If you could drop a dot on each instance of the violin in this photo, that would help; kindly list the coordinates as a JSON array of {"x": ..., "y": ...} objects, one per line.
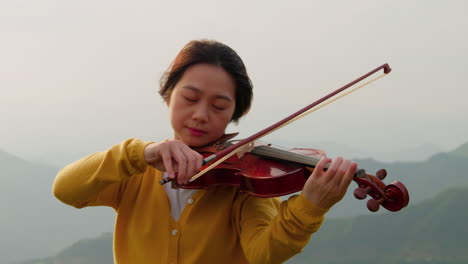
[
  {"x": 267, "y": 171},
  {"x": 263, "y": 170}
]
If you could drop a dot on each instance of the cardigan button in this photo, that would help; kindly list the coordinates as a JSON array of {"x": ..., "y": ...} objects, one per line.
[
  {"x": 174, "y": 232},
  {"x": 190, "y": 201}
]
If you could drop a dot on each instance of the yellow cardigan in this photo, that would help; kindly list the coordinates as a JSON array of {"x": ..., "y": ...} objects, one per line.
[{"x": 219, "y": 225}]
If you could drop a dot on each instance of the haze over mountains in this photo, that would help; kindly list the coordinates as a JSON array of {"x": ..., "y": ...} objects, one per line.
[
  {"x": 431, "y": 232},
  {"x": 79, "y": 75},
  {"x": 36, "y": 225},
  {"x": 417, "y": 153}
]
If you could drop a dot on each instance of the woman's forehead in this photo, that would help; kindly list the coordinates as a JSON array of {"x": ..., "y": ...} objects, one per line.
[{"x": 207, "y": 78}]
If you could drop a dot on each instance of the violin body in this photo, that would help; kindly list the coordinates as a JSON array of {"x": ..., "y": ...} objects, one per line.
[
  {"x": 255, "y": 175},
  {"x": 266, "y": 176}
]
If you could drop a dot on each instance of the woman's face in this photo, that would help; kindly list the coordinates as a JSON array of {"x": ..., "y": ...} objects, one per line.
[{"x": 202, "y": 104}]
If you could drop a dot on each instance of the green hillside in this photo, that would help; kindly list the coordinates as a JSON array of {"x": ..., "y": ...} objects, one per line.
[
  {"x": 31, "y": 213},
  {"x": 432, "y": 232},
  {"x": 97, "y": 251},
  {"x": 461, "y": 151},
  {"x": 423, "y": 180},
  {"x": 26, "y": 188}
]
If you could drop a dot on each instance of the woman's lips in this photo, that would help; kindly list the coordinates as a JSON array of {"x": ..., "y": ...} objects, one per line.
[{"x": 196, "y": 132}]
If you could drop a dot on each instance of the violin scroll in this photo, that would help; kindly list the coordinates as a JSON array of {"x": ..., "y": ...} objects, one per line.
[{"x": 392, "y": 197}]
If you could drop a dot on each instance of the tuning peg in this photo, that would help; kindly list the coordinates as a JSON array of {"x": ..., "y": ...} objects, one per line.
[
  {"x": 381, "y": 174},
  {"x": 361, "y": 192},
  {"x": 373, "y": 205}
]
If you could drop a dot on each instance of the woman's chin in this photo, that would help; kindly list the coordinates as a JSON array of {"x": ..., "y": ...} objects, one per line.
[
  {"x": 193, "y": 141},
  {"x": 198, "y": 140}
]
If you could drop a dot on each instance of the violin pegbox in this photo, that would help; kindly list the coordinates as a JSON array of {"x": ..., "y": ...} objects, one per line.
[
  {"x": 362, "y": 191},
  {"x": 392, "y": 197}
]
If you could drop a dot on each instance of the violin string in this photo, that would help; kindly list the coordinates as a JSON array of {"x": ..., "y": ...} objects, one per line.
[
  {"x": 331, "y": 100},
  {"x": 216, "y": 163},
  {"x": 288, "y": 155}
]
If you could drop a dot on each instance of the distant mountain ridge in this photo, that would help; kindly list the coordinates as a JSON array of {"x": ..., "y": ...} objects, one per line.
[
  {"x": 423, "y": 179},
  {"x": 461, "y": 151},
  {"x": 30, "y": 213},
  {"x": 409, "y": 154},
  {"x": 415, "y": 153},
  {"x": 33, "y": 212},
  {"x": 432, "y": 232}
]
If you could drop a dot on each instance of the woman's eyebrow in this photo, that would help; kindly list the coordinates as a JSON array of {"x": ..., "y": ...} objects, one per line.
[
  {"x": 192, "y": 88},
  {"x": 218, "y": 96}
]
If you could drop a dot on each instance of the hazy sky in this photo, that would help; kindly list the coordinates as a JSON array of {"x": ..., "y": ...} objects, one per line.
[{"x": 79, "y": 76}]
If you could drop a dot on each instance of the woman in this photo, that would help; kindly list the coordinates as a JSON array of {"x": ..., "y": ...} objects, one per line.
[{"x": 205, "y": 88}]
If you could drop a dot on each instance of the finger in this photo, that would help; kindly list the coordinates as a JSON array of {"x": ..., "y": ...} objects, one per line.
[
  {"x": 182, "y": 166},
  {"x": 192, "y": 164},
  {"x": 167, "y": 160},
  {"x": 340, "y": 172},
  {"x": 319, "y": 168},
  {"x": 349, "y": 175},
  {"x": 196, "y": 164},
  {"x": 199, "y": 163},
  {"x": 332, "y": 170},
  {"x": 181, "y": 161}
]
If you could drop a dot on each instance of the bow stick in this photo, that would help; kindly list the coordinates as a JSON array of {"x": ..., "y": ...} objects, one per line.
[{"x": 245, "y": 143}]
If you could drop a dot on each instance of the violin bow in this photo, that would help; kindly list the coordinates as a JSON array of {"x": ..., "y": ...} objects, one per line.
[{"x": 244, "y": 145}]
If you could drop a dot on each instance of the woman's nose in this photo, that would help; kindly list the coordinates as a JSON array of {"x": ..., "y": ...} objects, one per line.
[{"x": 201, "y": 113}]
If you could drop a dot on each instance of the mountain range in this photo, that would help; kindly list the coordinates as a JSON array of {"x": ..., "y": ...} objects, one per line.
[
  {"x": 33, "y": 222},
  {"x": 432, "y": 232},
  {"x": 36, "y": 225}
]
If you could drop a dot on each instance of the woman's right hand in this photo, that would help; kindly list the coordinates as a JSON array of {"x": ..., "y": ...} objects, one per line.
[{"x": 174, "y": 157}]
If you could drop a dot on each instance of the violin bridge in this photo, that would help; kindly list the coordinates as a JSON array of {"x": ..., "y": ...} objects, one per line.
[{"x": 244, "y": 149}]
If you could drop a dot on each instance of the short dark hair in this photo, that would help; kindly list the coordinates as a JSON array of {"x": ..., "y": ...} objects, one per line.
[{"x": 215, "y": 53}]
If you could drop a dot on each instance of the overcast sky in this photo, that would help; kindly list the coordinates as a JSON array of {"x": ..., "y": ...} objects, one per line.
[{"x": 79, "y": 76}]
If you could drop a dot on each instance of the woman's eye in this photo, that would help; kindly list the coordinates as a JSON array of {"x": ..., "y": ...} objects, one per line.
[
  {"x": 192, "y": 100},
  {"x": 218, "y": 108}
]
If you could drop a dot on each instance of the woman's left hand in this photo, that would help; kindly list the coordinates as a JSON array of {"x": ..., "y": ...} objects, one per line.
[{"x": 325, "y": 188}]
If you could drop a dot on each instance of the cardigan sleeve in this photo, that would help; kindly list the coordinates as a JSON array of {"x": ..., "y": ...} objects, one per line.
[
  {"x": 272, "y": 231},
  {"x": 100, "y": 178}
]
